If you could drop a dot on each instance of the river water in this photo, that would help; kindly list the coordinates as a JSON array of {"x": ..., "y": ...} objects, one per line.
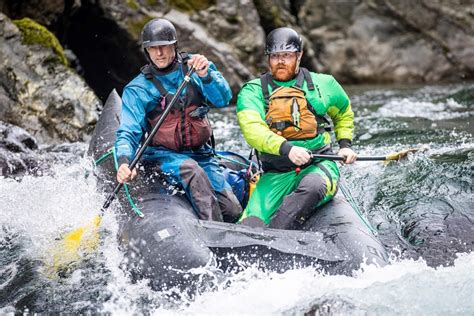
[{"x": 422, "y": 208}]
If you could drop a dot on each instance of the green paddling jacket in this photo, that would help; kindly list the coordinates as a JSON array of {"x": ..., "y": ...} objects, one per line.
[
  {"x": 328, "y": 98},
  {"x": 280, "y": 179}
]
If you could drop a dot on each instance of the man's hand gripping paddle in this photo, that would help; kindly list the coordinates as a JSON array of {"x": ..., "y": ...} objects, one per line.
[{"x": 86, "y": 238}]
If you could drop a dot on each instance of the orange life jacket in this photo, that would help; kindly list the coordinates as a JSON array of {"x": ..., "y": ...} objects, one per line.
[{"x": 288, "y": 112}]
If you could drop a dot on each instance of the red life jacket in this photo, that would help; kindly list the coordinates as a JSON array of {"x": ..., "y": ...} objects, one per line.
[{"x": 186, "y": 126}]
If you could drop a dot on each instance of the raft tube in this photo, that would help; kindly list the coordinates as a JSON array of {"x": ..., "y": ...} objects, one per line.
[{"x": 170, "y": 240}]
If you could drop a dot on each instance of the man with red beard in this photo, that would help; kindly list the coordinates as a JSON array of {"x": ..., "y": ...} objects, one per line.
[{"x": 284, "y": 116}]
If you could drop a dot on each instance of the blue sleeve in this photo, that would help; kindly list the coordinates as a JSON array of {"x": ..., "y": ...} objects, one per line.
[
  {"x": 132, "y": 123},
  {"x": 215, "y": 88}
]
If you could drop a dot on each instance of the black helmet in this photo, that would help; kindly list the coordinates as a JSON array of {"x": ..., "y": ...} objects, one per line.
[
  {"x": 283, "y": 39},
  {"x": 158, "y": 32}
]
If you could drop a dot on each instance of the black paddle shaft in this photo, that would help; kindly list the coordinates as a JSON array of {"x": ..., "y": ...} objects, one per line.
[
  {"x": 339, "y": 158},
  {"x": 147, "y": 141}
]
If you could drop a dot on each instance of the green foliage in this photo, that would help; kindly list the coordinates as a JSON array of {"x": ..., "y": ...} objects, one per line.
[
  {"x": 34, "y": 33},
  {"x": 193, "y": 5}
]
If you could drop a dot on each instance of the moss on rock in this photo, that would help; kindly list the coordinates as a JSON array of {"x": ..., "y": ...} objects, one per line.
[
  {"x": 193, "y": 5},
  {"x": 135, "y": 26},
  {"x": 276, "y": 17},
  {"x": 34, "y": 33},
  {"x": 132, "y": 4}
]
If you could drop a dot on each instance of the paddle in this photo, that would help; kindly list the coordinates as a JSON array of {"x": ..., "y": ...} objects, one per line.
[
  {"x": 147, "y": 141},
  {"x": 84, "y": 239},
  {"x": 344, "y": 188},
  {"x": 392, "y": 156}
]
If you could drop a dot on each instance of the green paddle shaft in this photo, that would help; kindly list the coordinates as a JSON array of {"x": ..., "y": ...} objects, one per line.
[{"x": 147, "y": 141}]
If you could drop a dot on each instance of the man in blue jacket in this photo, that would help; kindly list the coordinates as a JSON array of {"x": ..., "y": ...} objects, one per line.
[{"x": 181, "y": 147}]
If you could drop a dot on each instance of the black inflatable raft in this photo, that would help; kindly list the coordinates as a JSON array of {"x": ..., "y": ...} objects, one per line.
[{"x": 169, "y": 240}]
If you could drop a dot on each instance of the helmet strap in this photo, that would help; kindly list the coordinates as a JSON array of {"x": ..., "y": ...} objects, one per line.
[
  {"x": 147, "y": 56},
  {"x": 298, "y": 61}
]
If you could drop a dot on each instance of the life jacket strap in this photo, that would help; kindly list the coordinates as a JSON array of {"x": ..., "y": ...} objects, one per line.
[
  {"x": 281, "y": 125},
  {"x": 267, "y": 79},
  {"x": 324, "y": 125},
  {"x": 147, "y": 71},
  {"x": 149, "y": 74},
  {"x": 307, "y": 77}
]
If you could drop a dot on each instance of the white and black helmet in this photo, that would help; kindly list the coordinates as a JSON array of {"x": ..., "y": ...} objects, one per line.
[{"x": 283, "y": 39}]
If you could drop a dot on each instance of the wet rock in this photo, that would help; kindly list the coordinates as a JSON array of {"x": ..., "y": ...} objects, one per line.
[
  {"x": 17, "y": 150},
  {"x": 283, "y": 13},
  {"x": 37, "y": 90},
  {"x": 17, "y": 139},
  {"x": 356, "y": 41},
  {"x": 237, "y": 24},
  {"x": 275, "y": 13},
  {"x": 227, "y": 32},
  {"x": 44, "y": 12},
  {"x": 20, "y": 154},
  {"x": 389, "y": 41},
  {"x": 328, "y": 305},
  {"x": 220, "y": 53}
]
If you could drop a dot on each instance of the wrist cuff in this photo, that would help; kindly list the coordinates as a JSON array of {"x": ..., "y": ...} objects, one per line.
[
  {"x": 206, "y": 79},
  {"x": 345, "y": 143},
  {"x": 285, "y": 148}
]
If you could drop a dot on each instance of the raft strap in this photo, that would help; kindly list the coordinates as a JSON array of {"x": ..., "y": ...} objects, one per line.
[{"x": 100, "y": 160}]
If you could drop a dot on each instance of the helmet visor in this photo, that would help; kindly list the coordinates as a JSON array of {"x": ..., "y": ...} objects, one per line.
[
  {"x": 147, "y": 44},
  {"x": 281, "y": 48}
]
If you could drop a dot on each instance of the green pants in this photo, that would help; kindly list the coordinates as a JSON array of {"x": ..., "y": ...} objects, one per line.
[{"x": 280, "y": 198}]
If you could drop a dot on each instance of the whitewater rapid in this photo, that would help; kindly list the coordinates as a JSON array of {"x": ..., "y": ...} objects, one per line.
[{"x": 419, "y": 206}]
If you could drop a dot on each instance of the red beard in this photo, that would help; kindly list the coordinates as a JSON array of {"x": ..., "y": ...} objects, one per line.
[{"x": 283, "y": 72}]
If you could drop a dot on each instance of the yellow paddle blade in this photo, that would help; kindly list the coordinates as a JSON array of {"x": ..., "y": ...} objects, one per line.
[
  {"x": 83, "y": 238},
  {"x": 72, "y": 248},
  {"x": 401, "y": 154}
]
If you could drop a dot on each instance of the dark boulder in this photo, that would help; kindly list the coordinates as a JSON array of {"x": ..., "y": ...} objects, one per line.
[
  {"x": 38, "y": 91},
  {"x": 17, "y": 150}
]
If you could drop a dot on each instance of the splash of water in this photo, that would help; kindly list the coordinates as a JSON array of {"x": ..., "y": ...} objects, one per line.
[
  {"x": 411, "y": 203},
  {"x": 406, "y": 287}
]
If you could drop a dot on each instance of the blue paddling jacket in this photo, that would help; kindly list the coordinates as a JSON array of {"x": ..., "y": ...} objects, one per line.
[{"x": 140, "y": 97}]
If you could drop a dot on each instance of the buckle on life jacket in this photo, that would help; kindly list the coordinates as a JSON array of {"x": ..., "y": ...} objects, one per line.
[
  {"x": 199, "y": 112},
  {"x": 295, "y": 114}
]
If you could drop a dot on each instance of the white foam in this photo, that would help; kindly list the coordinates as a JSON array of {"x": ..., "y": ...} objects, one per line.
[
  {"x": 42, "y": 208},
  {"x": 424, "y": 109},
  {"x": 405, "y": 287}
]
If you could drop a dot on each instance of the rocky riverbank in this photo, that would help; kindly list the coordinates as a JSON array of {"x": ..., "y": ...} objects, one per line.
[{"x": 60, "y": 59}]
